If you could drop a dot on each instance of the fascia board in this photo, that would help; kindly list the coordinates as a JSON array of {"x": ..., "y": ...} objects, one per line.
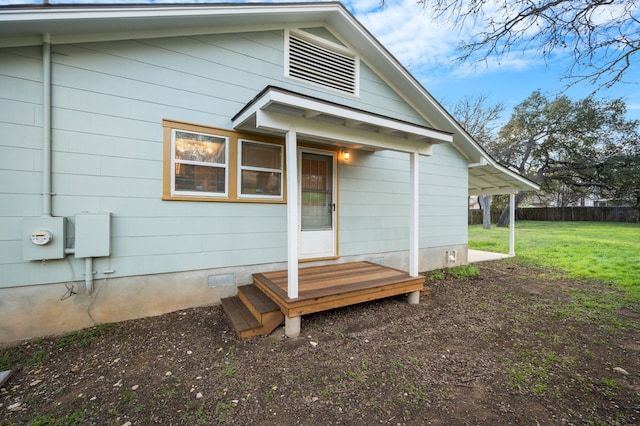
[
  {"x": 246, "y": 115},
  {"x": 273, "y": 121},
  {"x": 24, "y": 26},
  {"x": 115, "y": 12}
]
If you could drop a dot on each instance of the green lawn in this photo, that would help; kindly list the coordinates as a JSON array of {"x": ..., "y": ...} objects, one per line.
[{"x": 608, "y": 252}]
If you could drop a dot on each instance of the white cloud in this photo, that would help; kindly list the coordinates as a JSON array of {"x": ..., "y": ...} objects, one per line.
[
  {"x": 408, "y": 32},
  {"x": 425, "y": 46}
]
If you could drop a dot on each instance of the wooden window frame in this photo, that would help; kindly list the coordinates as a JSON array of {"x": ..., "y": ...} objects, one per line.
[
  {"x": 222, "y": 165},
  {"x": 242, "y": 167},
  {"x": 233, "y": 164}
]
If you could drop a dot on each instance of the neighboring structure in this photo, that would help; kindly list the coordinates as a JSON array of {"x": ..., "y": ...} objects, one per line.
[
  {"x": 543, "y": 199},
  {"x": 153, "y": 157}
]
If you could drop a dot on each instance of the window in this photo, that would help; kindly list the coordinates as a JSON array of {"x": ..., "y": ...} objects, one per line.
[
  {"x": 204, "y": 163},
  {"x": 260, "y": 170},
  {"x": 199, "y": 164}
]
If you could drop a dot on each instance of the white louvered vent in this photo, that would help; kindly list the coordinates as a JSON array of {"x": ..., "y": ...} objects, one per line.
[{"x": 320, "y": 65}]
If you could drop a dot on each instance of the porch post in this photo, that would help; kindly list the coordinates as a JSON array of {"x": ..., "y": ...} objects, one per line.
[
  {"x": 414, "y": 214},
  {"x": 512, "y": 224},
  {"x": 292, "y": 324},
  {"x": 292, "y": 213}
]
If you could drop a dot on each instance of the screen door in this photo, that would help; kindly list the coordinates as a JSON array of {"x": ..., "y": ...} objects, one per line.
[{"x": 317, "y": 203}]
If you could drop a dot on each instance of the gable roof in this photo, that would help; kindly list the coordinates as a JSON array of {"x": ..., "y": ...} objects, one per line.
[{"x": 28, "y": 25}]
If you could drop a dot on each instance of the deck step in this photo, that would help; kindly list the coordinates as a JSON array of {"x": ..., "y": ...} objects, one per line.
[
  {"x": 252, "y": 313},
  {"x": 255, "y": 299}
]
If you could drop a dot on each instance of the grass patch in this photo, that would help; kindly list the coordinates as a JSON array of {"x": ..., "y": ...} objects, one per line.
[
  {"x": 608, "y": 252},
  {"x": 610, "y": 386},
  {"x": 37, "y": 357},
  {"x": 436, "y": 275},
  {"x": 9, "y": 358},
  {"x": 464, "y": 271},
  {"x": 228, "y": 370},
  {"x": 597, "y": 307},
  {"x": 75, "y": 418},
  {"x": 83, "y": 338},
  {"x": 531, "y": 372}
]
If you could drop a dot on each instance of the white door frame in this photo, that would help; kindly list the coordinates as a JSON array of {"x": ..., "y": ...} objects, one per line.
[{"x": 325, "y": 241}]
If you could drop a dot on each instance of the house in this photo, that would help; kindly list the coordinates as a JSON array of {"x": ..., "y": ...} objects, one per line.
[{"x": 154, "y": 157}]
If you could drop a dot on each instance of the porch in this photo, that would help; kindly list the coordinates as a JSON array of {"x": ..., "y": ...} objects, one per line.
[{"x": 261, "y": 307}]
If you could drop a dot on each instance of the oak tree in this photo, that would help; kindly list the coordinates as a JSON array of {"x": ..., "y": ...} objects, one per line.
[
  {"x": 584, "y": 146},
  {"x": 600, "y": 37},
  {"x": 480, "y": 120}
]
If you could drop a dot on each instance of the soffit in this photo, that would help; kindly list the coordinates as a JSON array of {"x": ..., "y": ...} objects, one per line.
[
  {"x": 276, "y": 111},
  {"x": 494, "y": 179}
]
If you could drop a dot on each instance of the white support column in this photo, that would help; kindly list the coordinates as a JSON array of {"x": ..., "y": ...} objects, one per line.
[
  {"x": 512, "y": 224},
  {"x": 414, "y": 215},
  {"x": 291, "y": 147}
]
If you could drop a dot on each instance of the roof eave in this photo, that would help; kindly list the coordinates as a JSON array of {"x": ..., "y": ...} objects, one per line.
[
  {"x": 276, "y": 111},
  {"x": 23, "y": 26}
]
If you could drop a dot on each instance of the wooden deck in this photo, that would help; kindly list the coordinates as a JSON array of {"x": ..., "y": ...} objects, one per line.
[{"x": 321, "y": 288}]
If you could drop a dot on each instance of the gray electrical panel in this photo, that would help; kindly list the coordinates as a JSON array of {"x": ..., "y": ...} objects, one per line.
[{"x": 93, "y": 235}]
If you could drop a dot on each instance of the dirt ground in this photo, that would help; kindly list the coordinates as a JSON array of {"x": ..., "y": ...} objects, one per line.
[{"x": 516, "y": 345}]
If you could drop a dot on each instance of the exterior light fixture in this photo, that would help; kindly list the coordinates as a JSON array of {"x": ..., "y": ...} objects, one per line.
[{"x": 346, "y": 155}]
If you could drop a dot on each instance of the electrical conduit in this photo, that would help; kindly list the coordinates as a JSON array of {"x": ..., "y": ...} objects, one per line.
[
  {"x": 47, "y": 149},
  {"x": 46, "y": 125}
]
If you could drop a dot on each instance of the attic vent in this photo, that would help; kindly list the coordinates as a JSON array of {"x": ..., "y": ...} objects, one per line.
[{"x": 322, "y": 65}]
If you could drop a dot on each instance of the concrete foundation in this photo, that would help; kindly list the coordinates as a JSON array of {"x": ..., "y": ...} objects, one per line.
[
  {"x": 413, "y": 298},
  {"x": 292, "y": 326},
  {"x": 41, "y": 310}
]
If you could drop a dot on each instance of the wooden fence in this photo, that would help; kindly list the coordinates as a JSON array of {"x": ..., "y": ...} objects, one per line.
[{"x": 565, "y": 214}]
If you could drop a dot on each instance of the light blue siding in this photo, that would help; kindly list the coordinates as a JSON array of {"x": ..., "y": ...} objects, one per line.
[
  {"x": 373, "y": 215},
  {"x": 443, "y": 198},
  {"x": 109, "y": 100},
  {"x": 381, "y": 99},
  {"x": 374, "y": 201}
]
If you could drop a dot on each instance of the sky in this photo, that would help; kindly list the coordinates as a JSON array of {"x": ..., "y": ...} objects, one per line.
[{"x": 428, "y": 50}]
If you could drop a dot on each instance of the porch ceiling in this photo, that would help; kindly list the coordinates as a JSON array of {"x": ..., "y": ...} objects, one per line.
[
  {"x": 276, "y": 111},
  {"x": 492, "y": 179}
]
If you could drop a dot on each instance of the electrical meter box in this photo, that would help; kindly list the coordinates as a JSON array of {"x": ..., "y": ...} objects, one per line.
[
  {"x": 43, "y": 238},
  {"x": 93, "y": 235}
]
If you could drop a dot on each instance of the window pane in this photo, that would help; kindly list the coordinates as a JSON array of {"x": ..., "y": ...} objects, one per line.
[
  {"x": 316, "y": 192},
  {"x": 263, "y": 156},
  {"x": 316, "y": 211},
  {"x": 199, "y": 147},
  {"x": 199, "y": 178},
  {"x": 261, "y": 183}
]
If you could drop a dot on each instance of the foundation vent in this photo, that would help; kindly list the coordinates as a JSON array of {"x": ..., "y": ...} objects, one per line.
[
  {"x": 220, "y": 280},
  {"x": 451, "y": 257}
]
